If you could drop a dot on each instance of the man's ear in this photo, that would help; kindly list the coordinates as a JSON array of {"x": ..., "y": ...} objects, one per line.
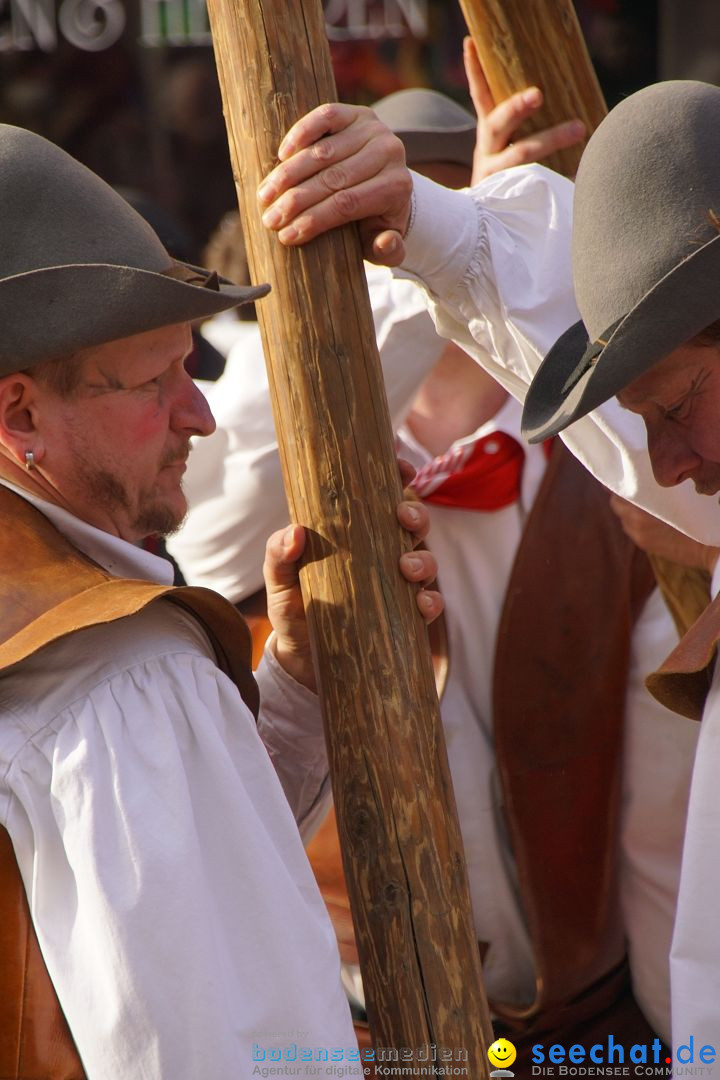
[{"x": 19, "y": 430}]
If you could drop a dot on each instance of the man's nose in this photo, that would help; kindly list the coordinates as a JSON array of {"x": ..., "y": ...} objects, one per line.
[
  {"x": 671, "y": 454},
  {"x": 191, "y": 412}
]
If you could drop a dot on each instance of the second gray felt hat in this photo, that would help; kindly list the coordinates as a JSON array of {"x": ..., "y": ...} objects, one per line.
[
  {"x": 646, "y": 250},
  {"x": 432, "y": 127}
]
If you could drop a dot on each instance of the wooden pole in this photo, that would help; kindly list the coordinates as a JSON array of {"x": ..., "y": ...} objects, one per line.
[
  {"x": 395, "y": 806},
  {"x": 538, "y": 43}
]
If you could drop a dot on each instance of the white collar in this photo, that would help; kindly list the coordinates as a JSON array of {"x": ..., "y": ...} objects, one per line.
[{"x": 118, "y": 557}]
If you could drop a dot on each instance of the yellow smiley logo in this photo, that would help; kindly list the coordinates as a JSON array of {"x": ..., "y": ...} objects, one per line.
[{"x": 502, "y": 1053}]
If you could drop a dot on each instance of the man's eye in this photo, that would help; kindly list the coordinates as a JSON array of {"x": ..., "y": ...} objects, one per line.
[{"x": 679, "y": 411}]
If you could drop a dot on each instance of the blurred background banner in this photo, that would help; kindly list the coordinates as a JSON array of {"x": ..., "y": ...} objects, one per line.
[{"x": 129, "y": 86}]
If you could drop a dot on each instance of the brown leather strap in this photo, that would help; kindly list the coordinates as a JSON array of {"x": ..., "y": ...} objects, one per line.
[
  {"x": 560, "y": 681},
  {"x": 35, "y": 1042},
  {"x": 685, "y": 590},
  {"x": 683, "y": 680},
  {"x": 603, "y": 1009},
  {"x": 49, "y": 589},
  {"x": 254, "y": 611}
]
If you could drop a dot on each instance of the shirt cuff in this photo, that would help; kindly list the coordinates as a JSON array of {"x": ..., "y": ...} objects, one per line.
[
  {"x": 290, "y": 725},
  {"x": 284, "y": 694},
  {"x": 443, "y": 236}
]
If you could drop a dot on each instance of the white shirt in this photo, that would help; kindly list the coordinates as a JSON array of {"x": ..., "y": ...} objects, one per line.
[
  {"x": 695, "y": 957},
  {"x": 174, "y": 905}
]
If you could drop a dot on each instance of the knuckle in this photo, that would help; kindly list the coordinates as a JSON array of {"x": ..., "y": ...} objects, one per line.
[
  {"x": 401, "y": 185},
  {"x": 290, "y": 204},
  {"x": 278, "y": 178},
  {"x": 324, "y": 150},
  {"x": 524, "y": 154},
  {"x": 405, "y": 183},
  {"x": 393, "y": 147},
  {"x": 494, "y": 126},
  {"x": 303, "y": 230},
  {"x": 329, "y": 111},
  {"x": 346, "y": 203},
  {"x": 334, "y": 179},
  {"x": 364, "y": 114}
]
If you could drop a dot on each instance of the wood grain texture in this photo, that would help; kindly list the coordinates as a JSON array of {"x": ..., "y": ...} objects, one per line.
[
  {"x": 395, "y": 806},
  {"x": 538, "y": 43}
]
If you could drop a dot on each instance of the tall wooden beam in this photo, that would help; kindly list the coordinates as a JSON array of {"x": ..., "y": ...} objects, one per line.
[
  {"x": 538, "y": 43},
  {"x": 395, "y": 806}
]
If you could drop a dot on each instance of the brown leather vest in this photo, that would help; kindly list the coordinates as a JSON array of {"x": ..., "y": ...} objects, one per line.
[
  {"x": 561, "y": 667},
  {"x": 49, "y": 589}
]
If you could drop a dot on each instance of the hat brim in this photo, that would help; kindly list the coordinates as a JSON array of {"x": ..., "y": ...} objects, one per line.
[
  {"x": 79, "y": 307},
  {"x": 680, "y": 306}
]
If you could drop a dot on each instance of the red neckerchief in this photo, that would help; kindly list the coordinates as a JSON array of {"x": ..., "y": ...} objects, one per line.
[{"x": 482, "y": 475}]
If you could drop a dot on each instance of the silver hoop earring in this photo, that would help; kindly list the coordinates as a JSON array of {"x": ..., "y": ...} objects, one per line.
[{"x": 29, "y": 460}]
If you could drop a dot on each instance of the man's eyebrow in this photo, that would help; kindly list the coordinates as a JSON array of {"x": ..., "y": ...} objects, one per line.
[
  {"x": 691, "y": 391},
  {"x": 696, "y": 382}
]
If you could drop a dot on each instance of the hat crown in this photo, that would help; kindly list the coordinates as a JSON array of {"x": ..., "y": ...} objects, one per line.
[
  {"x": 419, "y": 109},
  {"x": 432, "y": 127},
  {"x": 55, "y": 212},
  {"x": 647, "y": 185},
  {"x": 79, "y": 267}
]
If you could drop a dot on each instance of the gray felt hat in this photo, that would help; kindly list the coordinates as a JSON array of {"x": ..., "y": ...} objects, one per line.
[
  {"x": 78, "y": 266},
  {"x": 431, "y": 126},
  {"x": 646, "y": 250}
]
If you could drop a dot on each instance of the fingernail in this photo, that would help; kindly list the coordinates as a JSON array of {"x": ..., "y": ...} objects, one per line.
[
  {"x": 285, "y": 148},
  {"x": 413, "y": 563},
  {"x": 272, "y": 217},
  {"x": 425, "y": 601},
  {"x": 288, "y": 537},
  {"x": 288, "y": 235},
  {"x": 576, "y": 128},
  {"x": 532, "y": 96},
  {"x": 265, "y": 192},
  {"x": 412, "y": 515}
]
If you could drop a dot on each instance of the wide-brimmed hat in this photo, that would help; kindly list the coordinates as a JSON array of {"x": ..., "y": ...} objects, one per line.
[
  {"x": 646, "y": 250},
  {"x": 431, "y": 126},
  {"x": 78, "y": 266}
]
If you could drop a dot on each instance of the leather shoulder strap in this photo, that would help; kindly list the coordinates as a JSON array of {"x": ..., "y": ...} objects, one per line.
[
  {"x": 35, "y": 1042},
  {"x": 49, "y": 589},
  {"x": 682, "y": 682}
]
